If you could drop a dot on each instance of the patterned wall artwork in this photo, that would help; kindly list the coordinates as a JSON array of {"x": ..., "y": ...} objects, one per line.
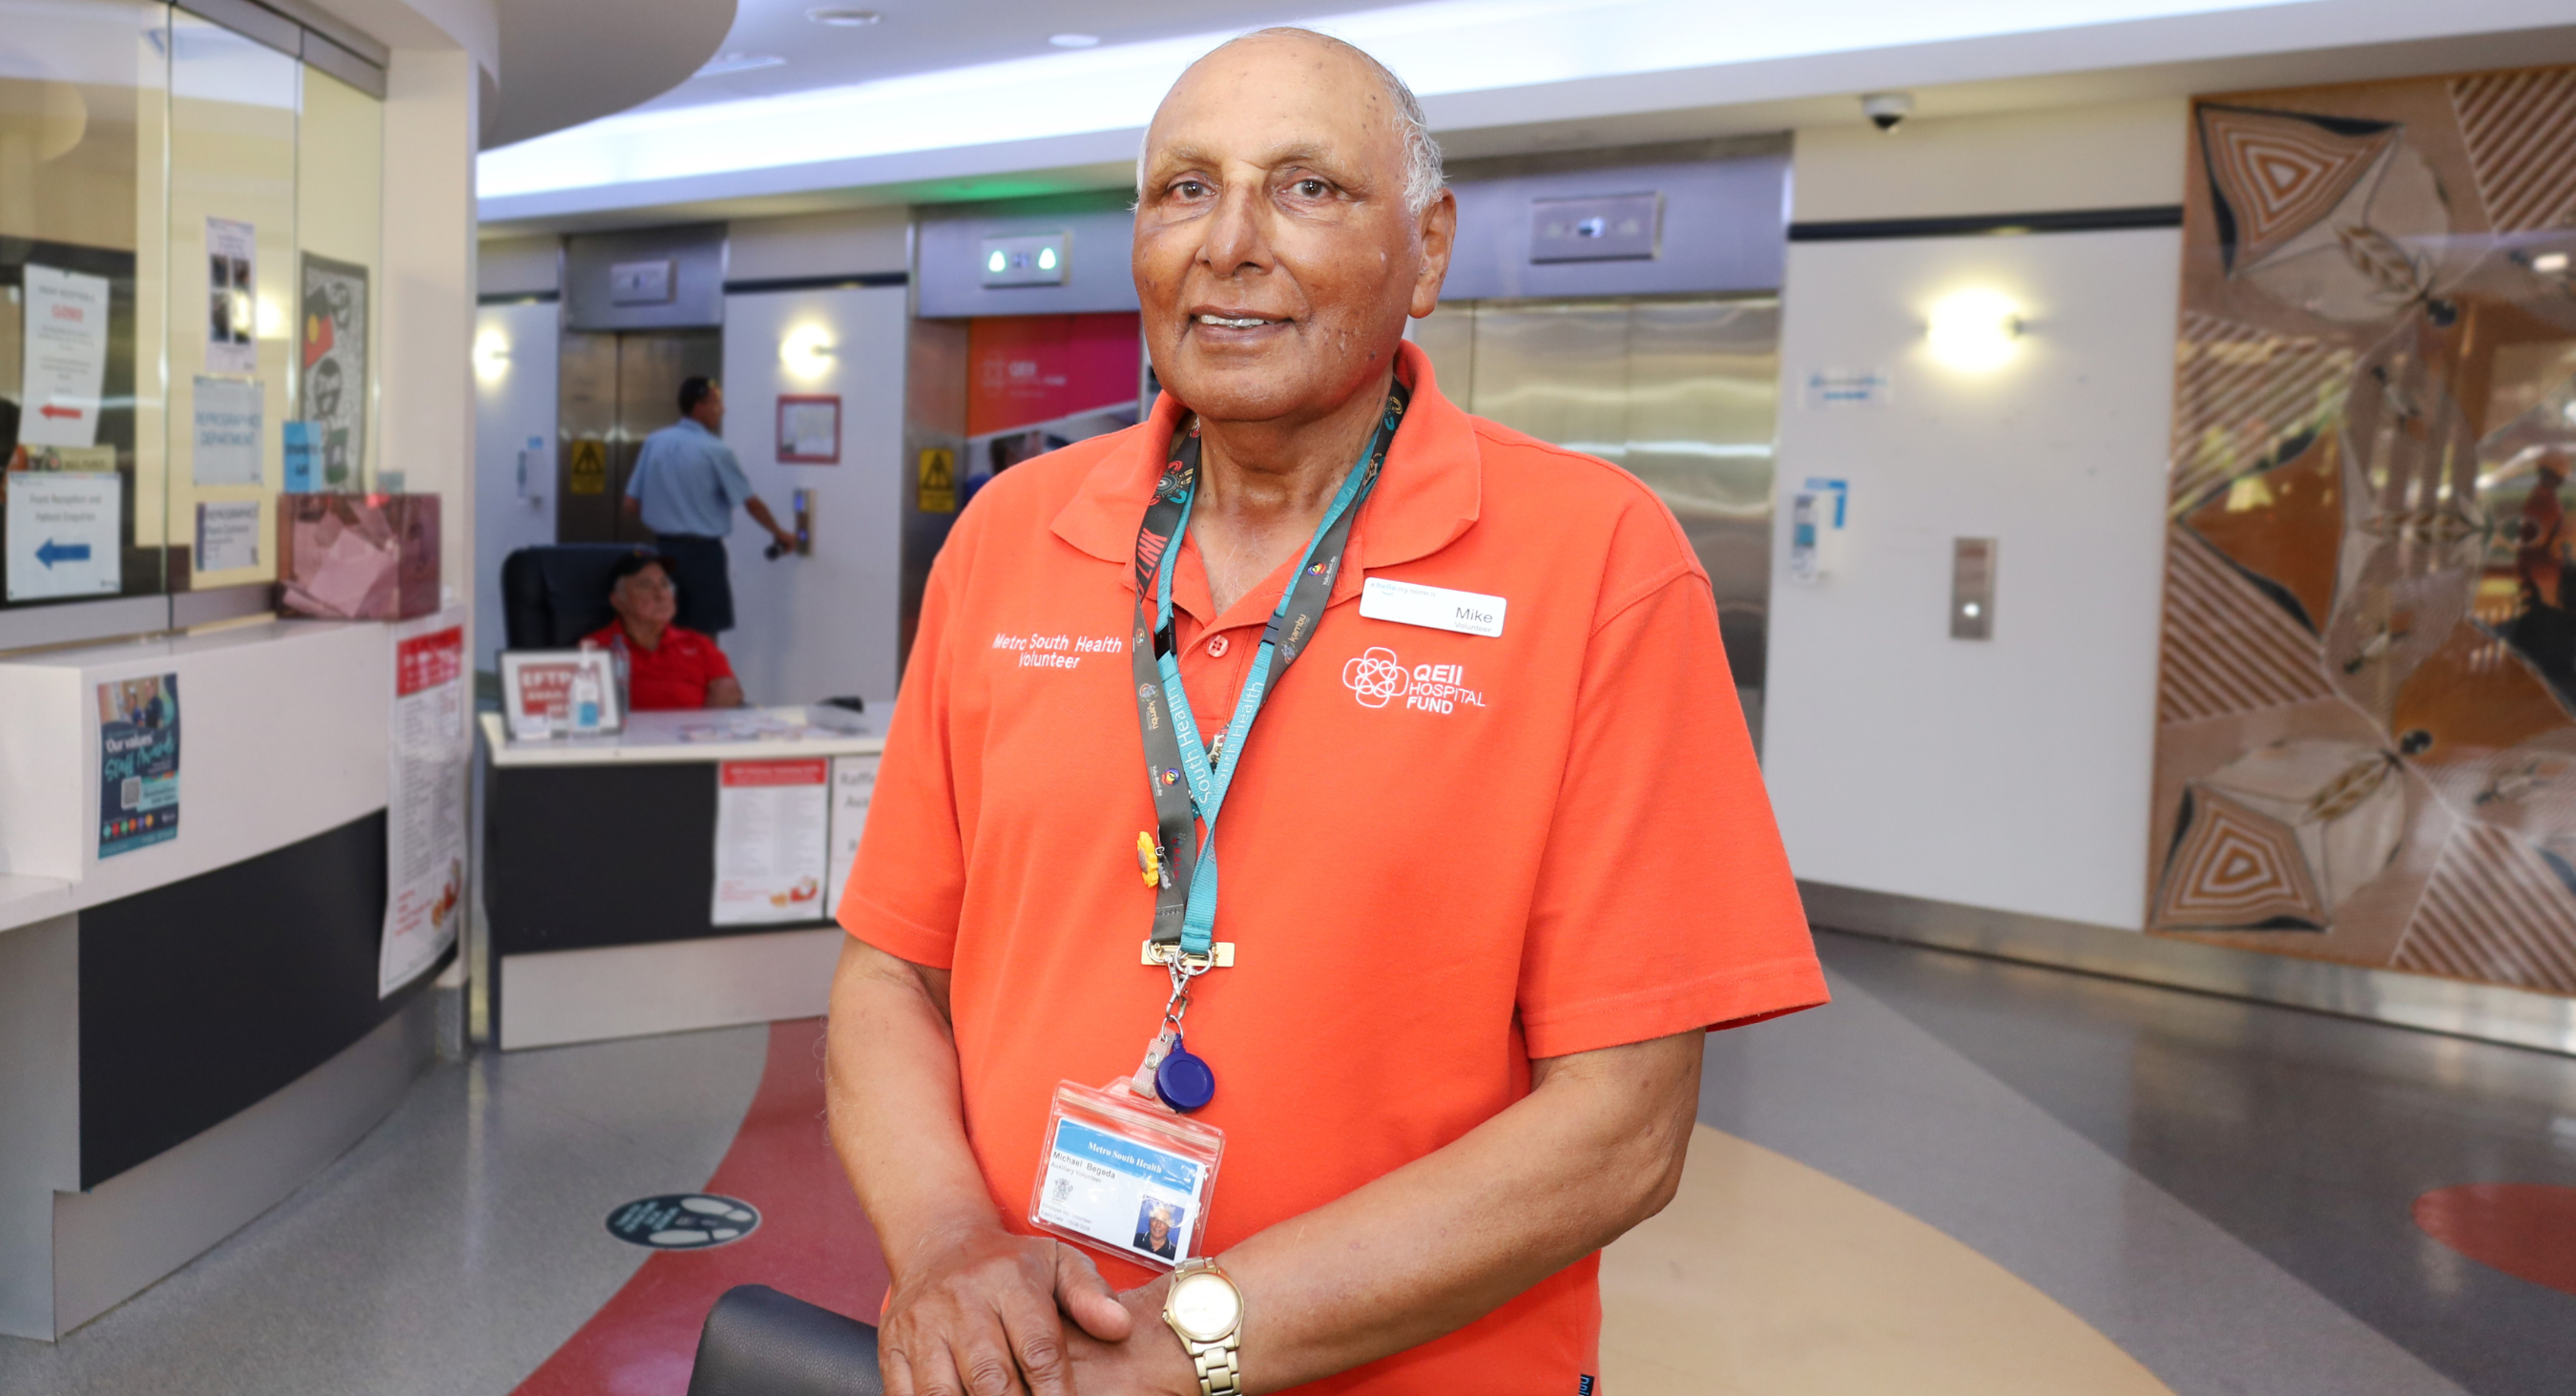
[{"x": 2366, "y": 711}]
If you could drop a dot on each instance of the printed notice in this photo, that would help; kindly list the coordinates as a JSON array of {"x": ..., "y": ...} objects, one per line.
[
  {"x": 138, "y": 763},
  {"x": 232, "y": 297},
  {"x": 425, "y": 829},
  {"x": 772, "y": 824},
  {"x": 227, "y": 435},
  {"x": 1828, "y": 388},
  {"x": 66, "y": 357},
  {"x": 227, "y": 536},
  {"x": 63, "y": 532},
  {"x": 854, "y": 783}
]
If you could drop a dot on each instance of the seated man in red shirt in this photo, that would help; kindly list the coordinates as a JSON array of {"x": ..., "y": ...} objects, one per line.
[{"x": 665, "y": 665}]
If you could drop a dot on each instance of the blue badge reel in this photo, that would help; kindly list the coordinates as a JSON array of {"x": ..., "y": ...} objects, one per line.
[{"x": 1121, "y": 1176}]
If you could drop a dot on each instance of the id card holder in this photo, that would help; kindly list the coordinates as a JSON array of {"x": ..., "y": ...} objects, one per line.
[{"x": 1124, "y": 1175}]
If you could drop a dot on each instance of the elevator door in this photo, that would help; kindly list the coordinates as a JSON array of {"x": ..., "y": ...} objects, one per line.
[
  {"x": 616, "y": 390},
  {"x": 1683, "y": 393}
]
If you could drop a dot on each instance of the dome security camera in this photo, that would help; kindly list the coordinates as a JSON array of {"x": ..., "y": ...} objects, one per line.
[{"x": 1887, "y": 110}]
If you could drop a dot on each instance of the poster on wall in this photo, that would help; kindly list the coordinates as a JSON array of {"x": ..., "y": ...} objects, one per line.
[
  {"x": 854, "y": 784},
  {"x": 63, "y": 531},
  {"x": 425, "y": 828},
  {"x": 227, "y": 536},
  {"x": 1036, "y": 383},
  {"x": 2366, "y": 701},
  {"x": 63, "y": 361},
  {"x": 232, "y": 297},
  {"x": 332, "y": 394},
  {"x": 138, "y": 763},
  {"x": 772, "y": 822}
]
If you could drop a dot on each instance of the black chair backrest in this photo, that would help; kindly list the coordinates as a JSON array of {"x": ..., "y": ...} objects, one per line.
[
  {"x": 553, "y": 595},
  {"x": 759, "y": 1342}
]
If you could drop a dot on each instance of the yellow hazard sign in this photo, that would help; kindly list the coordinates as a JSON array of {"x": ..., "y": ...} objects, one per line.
[
  {"x": 937, "y": 493},
  {"x": 589, "y": 466}
]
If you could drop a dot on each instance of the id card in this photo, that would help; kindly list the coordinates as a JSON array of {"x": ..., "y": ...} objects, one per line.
[{"x": 1125, "y": 1175}]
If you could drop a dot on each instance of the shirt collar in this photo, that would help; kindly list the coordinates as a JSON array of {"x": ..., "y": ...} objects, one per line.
[
  {"x": 1426, "y": 497},
  {"x": 695, "y": 425}
]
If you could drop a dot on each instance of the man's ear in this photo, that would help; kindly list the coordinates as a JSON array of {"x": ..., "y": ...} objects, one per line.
[{"x": 1438, "y": 235}]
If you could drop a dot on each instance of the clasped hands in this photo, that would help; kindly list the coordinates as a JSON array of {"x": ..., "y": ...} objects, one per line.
[{"x": 993, "y": 1314}]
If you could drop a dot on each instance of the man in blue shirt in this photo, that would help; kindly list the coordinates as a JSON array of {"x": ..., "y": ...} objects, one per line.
[{"x": 685, "y": 486}]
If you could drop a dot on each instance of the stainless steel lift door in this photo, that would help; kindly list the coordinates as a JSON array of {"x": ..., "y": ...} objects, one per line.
[
  {"x": 1684, "y": 393},
  {"x": 617, "y": 389}
]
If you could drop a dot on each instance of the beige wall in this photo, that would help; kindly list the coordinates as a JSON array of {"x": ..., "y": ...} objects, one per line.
[
  {"x": 428, "y": 295},
  {"x": 2119, "y": 155}
]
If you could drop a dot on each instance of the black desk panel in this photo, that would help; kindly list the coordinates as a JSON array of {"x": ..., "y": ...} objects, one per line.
[
  {"x": 201, "y": 998},
  {"x": 613, "y": 853}
]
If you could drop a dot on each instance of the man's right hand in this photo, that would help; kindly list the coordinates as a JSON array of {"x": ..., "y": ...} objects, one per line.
[{"x": 981, "y": 1315}]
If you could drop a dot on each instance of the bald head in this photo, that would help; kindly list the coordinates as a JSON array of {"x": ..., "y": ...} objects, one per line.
[
  {"x": 1289, "y": 217},
  {"x": 1423, "y": 176}
]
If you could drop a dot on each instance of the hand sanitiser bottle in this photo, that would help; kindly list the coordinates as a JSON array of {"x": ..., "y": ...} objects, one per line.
[{"x": 584, "y": 701}]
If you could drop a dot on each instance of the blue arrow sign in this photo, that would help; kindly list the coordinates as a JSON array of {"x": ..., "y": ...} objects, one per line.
[{"x": 50, "y": 552}]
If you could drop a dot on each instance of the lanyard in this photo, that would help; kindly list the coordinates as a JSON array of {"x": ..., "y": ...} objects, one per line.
[{"x": 1186, "y": 784}]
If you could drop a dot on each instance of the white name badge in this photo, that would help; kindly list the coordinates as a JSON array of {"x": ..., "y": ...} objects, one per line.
[
  {"x": 1439, "y": 608},
  {"x": 1125, "y": 1175}
]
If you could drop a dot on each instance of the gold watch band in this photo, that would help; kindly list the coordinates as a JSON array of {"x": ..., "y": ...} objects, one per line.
[{"x": 1218, "y": 1374}]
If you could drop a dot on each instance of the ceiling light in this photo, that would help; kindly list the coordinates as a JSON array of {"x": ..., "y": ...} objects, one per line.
[
  {"x": 2550, "y": 262},
  {"x": 1975, "y": 329},
  {"x": 1073, "y": 40},
  {"x": 724, "y": 63},
  {"x": 842, "y": 16}
]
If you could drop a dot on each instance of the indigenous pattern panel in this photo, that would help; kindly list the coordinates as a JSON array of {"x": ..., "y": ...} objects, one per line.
[{"x": 2366, "y": 715}]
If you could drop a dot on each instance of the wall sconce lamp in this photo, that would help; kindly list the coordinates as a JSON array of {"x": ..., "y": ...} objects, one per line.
[
  {"x": 807, "y": 351},
  {"x": 1975, "y": 330},
  {"x": 491, "y": 356}
]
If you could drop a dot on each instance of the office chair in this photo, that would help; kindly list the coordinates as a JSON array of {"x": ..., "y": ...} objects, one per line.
[
  {"x": 759, "y": 1342},
  {"x": 551, "y": 596}
]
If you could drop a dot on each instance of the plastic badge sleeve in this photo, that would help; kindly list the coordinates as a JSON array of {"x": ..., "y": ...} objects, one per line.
[{"x": 1124, "y": 1175}]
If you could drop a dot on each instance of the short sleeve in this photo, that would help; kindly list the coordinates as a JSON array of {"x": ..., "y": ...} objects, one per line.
[
  {"x": 730, "y": 479},
  {"x": 643, "y": 467},
  {"x": 718, "y": 664},
  {"x": 909, "y": 879},
  {"x": 1664, "y": 899}
]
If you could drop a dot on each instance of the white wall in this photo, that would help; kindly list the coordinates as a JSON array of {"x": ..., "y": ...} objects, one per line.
[
  {"x": 2009, "y": 773},
  {"x": 515, "y": 402},
  {"x": 2117, "y": 155},
  {"x": 819, "y": 626}
]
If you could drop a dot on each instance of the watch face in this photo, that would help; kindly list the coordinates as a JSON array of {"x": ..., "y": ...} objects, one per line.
[{"x": 1205, "y": 1306}]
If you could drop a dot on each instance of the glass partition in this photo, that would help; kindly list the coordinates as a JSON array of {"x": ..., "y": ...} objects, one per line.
[
  {"x": 82, "y": 112},
  {"x": 190, "y": 234}
]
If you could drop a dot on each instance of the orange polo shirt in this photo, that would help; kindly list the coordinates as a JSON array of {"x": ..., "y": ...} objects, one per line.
[{"x": 1444, "y": 854}]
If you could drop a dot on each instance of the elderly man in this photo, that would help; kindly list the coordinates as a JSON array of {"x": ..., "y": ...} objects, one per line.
[
  {"x": 660, "y": 663},
  {"x": 1496, "y": 853}
]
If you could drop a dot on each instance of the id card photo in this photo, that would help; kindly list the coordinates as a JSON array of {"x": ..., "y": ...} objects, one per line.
[{"x": 1126, "y": 1194}]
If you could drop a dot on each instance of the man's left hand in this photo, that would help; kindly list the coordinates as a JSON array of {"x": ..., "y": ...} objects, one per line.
[
  {"x": 1148, "y": 1362},
  {"x": 786, "y": 541}
]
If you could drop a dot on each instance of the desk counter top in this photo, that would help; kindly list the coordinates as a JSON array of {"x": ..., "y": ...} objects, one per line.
[{"x": 711, "y": 734}]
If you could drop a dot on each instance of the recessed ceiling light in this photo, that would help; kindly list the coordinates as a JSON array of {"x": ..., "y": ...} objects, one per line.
[
  {"x": 842, "y": 16},
  {"x": 724, "y": 63},
  {"x": 1073, "y": 40}
]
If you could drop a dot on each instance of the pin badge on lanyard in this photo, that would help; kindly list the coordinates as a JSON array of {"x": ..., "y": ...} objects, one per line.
[{"x": 1188, "y": 782}]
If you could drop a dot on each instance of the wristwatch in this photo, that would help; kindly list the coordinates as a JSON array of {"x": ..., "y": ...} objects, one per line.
[{"x": 1206, "y": 1310}]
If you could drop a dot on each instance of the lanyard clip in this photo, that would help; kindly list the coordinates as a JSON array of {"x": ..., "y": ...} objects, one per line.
[{"x": 1220, "y": 956}]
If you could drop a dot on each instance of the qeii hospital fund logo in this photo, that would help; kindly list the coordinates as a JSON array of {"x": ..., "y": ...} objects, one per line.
[{"x": 1377, "y": 677}]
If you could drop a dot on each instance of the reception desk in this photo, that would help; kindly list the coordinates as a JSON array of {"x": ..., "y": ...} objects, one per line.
[
  {"x": 191, "y": 1029},
  {"x": 658, "y": 880}
]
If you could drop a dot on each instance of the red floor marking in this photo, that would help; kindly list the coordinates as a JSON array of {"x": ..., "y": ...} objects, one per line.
[
  {"x": 2527, "y": 1230},
  {"x": 813, "y": 1243}
]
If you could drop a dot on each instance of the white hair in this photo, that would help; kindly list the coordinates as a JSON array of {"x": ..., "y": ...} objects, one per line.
[{"x": 1423, "y": 176}]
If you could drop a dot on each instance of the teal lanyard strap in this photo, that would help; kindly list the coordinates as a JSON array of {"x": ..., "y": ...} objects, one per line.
[{"x": 1306, "y": 594}]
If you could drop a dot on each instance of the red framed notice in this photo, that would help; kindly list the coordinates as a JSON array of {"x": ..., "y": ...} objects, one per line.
[{"x": 809, "y": 429}]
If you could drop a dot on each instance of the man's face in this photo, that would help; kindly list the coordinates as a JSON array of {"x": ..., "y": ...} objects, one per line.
[
  {"x": 1274, "y": 257},
  {"x": 646, "y": 597},
  {"x": 1157, "y": 1228},
  {"x": 710, "y": 410}
]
